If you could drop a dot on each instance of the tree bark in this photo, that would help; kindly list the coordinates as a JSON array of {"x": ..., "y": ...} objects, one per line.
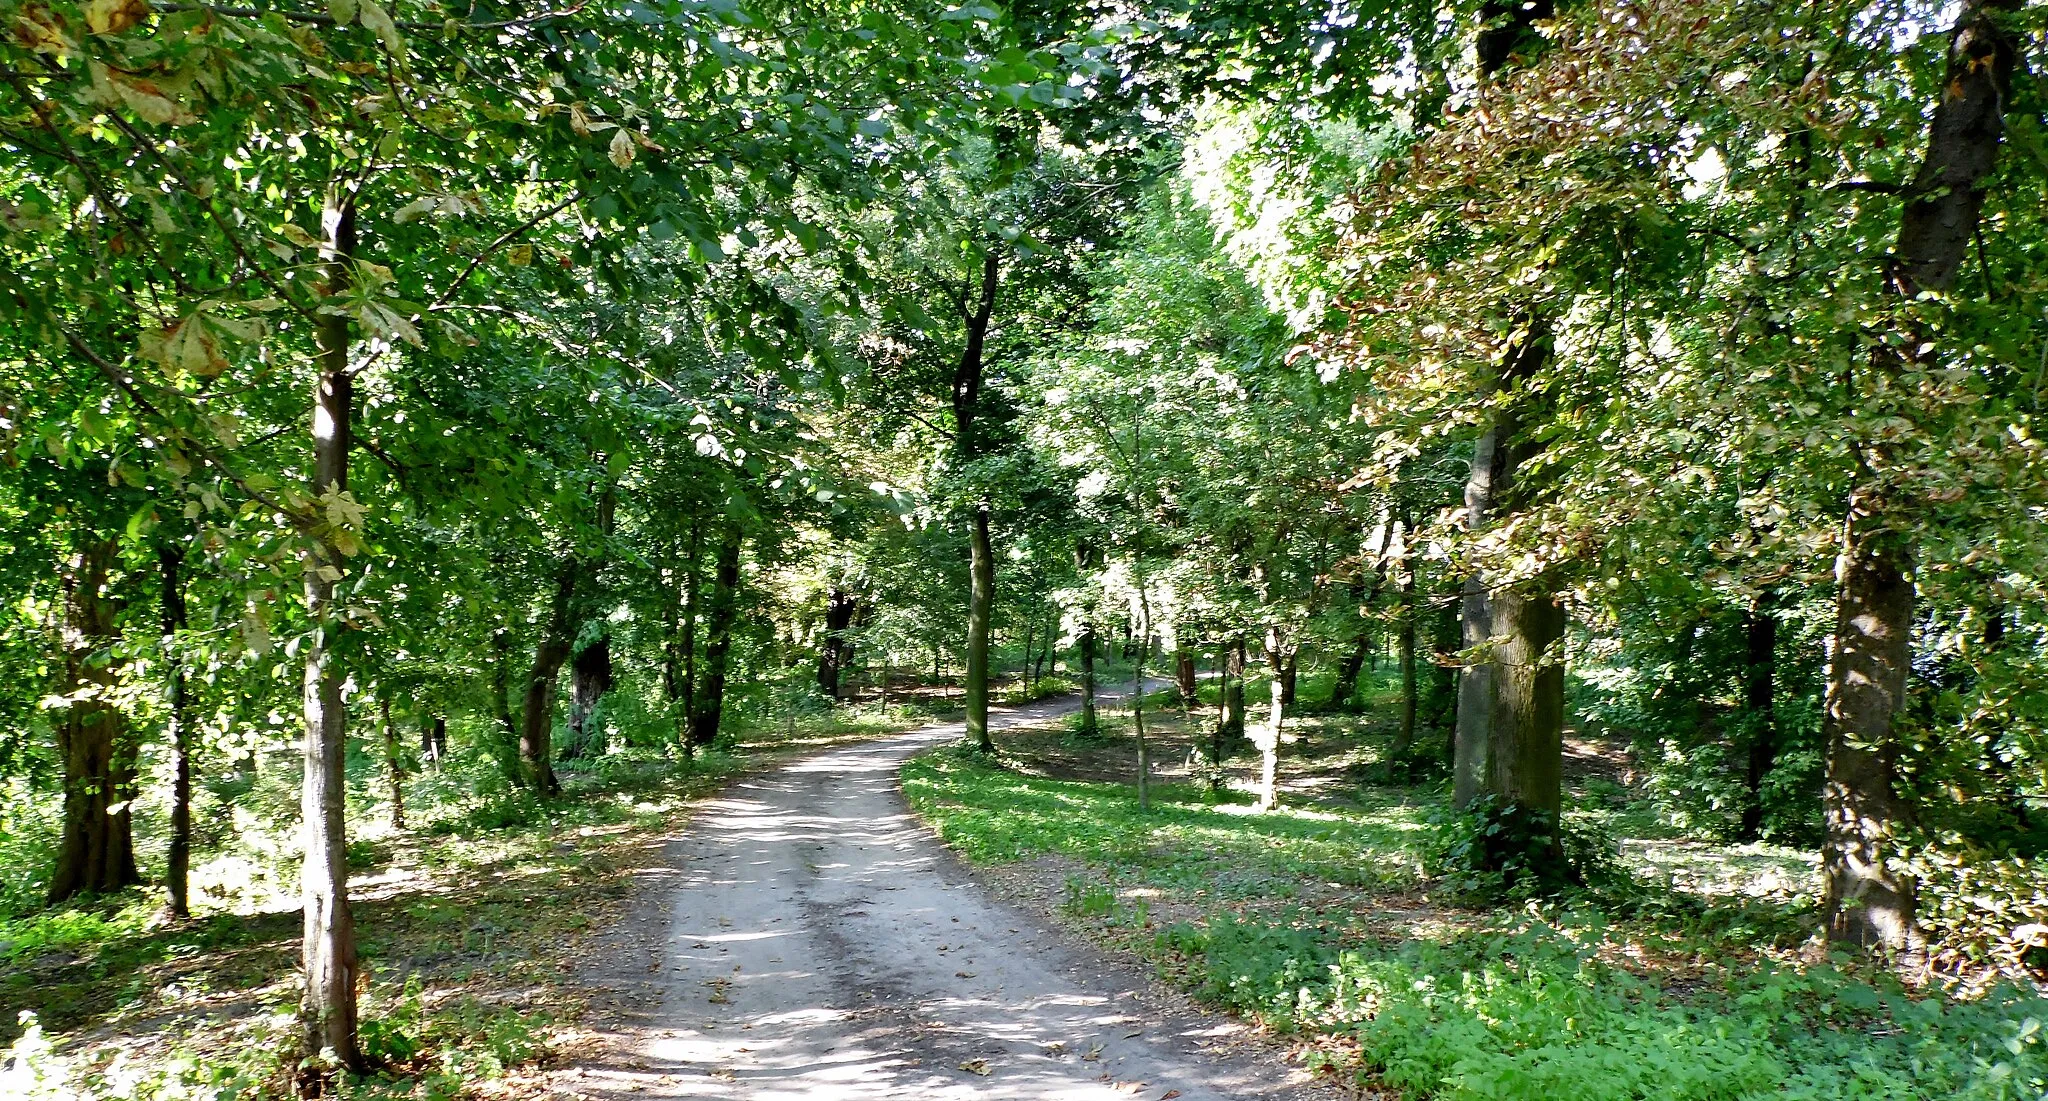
[
  {"x": 1184, "y": 677},
  {"x": 980, "y": 608},
  {"x": 1090, "y": 727},
  {"x": 708, "y": 710},
  {"x": 501, "y": 705},
  {"x": 1759, "y": 694},
  {"x": 96, "y": 853},
  {"x": 835, "y": 650},
  {"x": 434, "y": 740},
  {"x": 1404, "y": 643},
  {"x": 1345, "y": 690},
  {"x": 1268, "y": 739},
  {"x": 178, "y": 732},
  {"x": 590, "y": 677},
  {"x": 537, "y": 712},
  {"x": 1865, "y": 901},
  {"x": 1288, "y": 674},
  {"x": 327, "y": 1010},
  {"x": 1230, "y": 721}
]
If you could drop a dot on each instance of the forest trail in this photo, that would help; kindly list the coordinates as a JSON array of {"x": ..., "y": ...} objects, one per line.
[{"x": 820, "y": 943}]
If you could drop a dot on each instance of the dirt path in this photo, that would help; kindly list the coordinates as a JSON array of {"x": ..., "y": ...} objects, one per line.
[{"x": 817, "y": 942}]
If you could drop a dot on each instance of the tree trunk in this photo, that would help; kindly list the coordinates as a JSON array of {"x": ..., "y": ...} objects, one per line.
[
  {"x": 835, "y": 649},
  {"x": 327, "y": 1011},
  {"x": 1345, "y": 690},
  {"x": 392, "y": 767},
  {"x": 97, "y": 851},
  {"x": 1287, "y": 678},
  {"x": 1268, "y": 739},
  {"x": 590, "y": 677},
  {"x": 1089, "y": 726},
  {"x": 1230, "y": 721},
  {"x": 178, "y": 732},
  {"x": 1864, "y": 900},
  {"x": 708, "y": 710},
  {"x": 1138, "y": 716},
  {"x": 1525, "y": 763},
  {"x": 434, "y": 740},
  {"x": 1184, "y": 677},
  {"x": 1404, "y": 647},
  {"x": 537, "y": 712},
  {"x": 980, "y": 608},
  {"x": 688, "y": 640},
  {"x": 1759, "y": 694}
]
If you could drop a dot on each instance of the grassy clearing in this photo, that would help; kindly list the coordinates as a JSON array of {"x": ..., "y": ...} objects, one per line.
[
  {"x": 470, "y": 922},
  {"x": 1322, "y": 920}
]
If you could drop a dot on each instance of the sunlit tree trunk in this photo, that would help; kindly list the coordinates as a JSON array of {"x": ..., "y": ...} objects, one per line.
[
  {"x": 1867, "y": 901},
  {"x": 96, "y": 852},
  {"x": 537, "y": 712},
  {"x": 327, "y": 1011},
  {"x": 1268, "y": 738},
  {"x": 177, "y": 730},
  {"x": 708, "y": 711}
]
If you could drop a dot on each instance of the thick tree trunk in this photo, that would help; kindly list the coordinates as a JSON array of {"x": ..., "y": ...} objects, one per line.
[
  {"x": 1759, "y": 695},
  {"x": 1288, "y": 675},
  {"x": 1525, "y": 763},
  {"x": 835, "y": 650},
  {"x": 96, "y": 852},
  {"x": 1086, "y": 643},
  {"x": 177, "y": 732},
  {"x": 981, "y": 597},
  {"x": 1268, "y": 738},
  {"x": 537, "y": 712},
  {"x": 1864, "y": 900},
  {"x": 590, "y": 677},
  {"x": 708, "y": 711},
  {"x": 327, "y": 1011},
  {"x": 393, "y": 768}
]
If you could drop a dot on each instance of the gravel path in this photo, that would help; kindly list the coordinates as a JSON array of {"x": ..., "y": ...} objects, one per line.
[{"x": 815, "y": 941}]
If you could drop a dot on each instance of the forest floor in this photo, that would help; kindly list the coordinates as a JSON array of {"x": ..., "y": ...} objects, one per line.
[
  {"x": 474, "y": 925},
  {"x": 1330, "y": 924}
]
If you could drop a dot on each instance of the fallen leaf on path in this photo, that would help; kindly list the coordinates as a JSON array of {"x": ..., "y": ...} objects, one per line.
[
  {"x": 963, "y": 974},
  {"x": 977, "y": 1066},
  {"x": 1169, "y": 1095},
  {"x": 1130, "y": 1087}
]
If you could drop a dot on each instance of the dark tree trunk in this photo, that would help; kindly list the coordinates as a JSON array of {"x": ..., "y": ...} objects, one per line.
[
  {"x": 708, "y": 709},
  {"x": 967, "y": 380},
  {"x": 590, "y": 677},
  {"x": 835, "y": 650},
  {"x": 1086, "y": 643},
  {"x": 1865, "y": 901},
  {"x": 537, "y": 712},
  {"x": 327, "y": 1011},
  {"x": 178, "y": 731},
  {"x": 434, "y": 740},
  {"x": 1759, "y": 693},
  {"x": 1404, "y": 646},
  {"x": 1230, "y": 721},
  {"x": 1184, "y": 677},
  {"x": 980, "y": 608},
  {"x": 393, "y": 768},
  {"x": 97, "y": 851},
  {"x": 1344, "y": 692}
]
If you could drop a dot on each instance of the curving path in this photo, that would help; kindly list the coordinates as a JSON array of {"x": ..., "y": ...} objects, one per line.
[{"x": 819, "y": 943}]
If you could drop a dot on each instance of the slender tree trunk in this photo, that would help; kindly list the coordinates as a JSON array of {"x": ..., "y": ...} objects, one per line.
[
  {"x": 96, "y": 853},
  {"x": 980, "y": 607},
  {"x": 392, "y": 767},
  {"x": 1268, "y": 739},
  {"x": 327, "y": 1012},
  {"x": 178, "y": 732},
  {"x": 1288, "y": 673},
  {"x": 708, "y": 712},
  {"x": 1138, "y": 717},
  {"x": 1345, "y": 691},
  {"x": 1759, "y": 694},
  {"x": 1086, "y": 644},
  {"x": 1866, "y": 901},
  {"x": 1404, "y": 645},
  {"x": 434, "y": 740},
  {"x": 688, "y": 643},
  {"x": 1184, "y": 676},
  {"x": 537, "y": 712}
]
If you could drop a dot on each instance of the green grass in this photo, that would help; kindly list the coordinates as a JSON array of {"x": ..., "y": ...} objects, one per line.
[{"x": 1676, "y": 996}]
